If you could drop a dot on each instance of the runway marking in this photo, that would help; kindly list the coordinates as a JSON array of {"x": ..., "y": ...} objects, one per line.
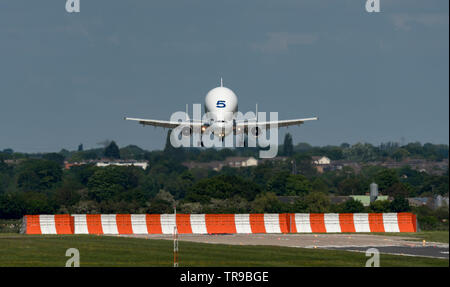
[
  {"x": 401, "y": 254},
  {"x": 386, "y": 252}
]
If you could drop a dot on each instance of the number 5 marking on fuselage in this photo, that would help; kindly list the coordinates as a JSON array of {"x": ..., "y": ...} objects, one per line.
[{"x": 220, "y": 104}]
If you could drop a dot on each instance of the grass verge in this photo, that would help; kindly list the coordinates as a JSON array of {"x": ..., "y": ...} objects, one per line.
[{"x": 49, "y": 250}]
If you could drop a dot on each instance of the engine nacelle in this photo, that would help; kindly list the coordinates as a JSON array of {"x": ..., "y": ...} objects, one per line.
[
  {"x": 186, "y": 131},
  {"x": 256, "y": 131}
]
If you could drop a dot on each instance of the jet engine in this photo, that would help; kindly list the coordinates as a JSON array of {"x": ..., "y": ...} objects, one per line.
[
  {"x": 186, "y": 131},
  {"x": 256, "y": 131}
]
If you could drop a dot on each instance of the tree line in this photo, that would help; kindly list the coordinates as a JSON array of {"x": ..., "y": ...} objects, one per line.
[{"x": 38, "y": 184}]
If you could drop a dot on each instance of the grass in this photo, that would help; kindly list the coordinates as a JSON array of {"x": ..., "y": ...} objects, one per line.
[{"x": 48, "y": 250}]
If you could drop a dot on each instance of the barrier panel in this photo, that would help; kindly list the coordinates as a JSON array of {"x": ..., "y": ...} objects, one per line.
[
  {"x": 219, "y": 223},
  {"x": 198, "y": 224},
  {"x": 361, "y": 222},
  {"x": 48, "y": 224},
  {"x": 242, "y": 222}
]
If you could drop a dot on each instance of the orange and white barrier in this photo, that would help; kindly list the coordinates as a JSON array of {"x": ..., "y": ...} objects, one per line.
[
  {"x": 220, "y": 223},
  {"x": 49, "y": 224},
  {"x": 353, "y": 222}
]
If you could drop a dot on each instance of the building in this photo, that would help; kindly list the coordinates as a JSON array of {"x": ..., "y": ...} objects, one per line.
[
  {"x": 142, "y": 165},
  {"x": 241, "y": 161},
  {"x": 13, "y": 161},
  {"x": 105, "y": 162},
  {"x": 288, "y": 199},
  {"x": 421, "y": 165},
  {"x": 218, "y": 165},
  {"x": 214, "y": 165},
  {"x": 419, "y": 201},
  {"x": 365, "y": 199},
  {"x": 274, "y": 159},
  {"x": 321, "y": 160},
  {"x": 339, "y": 199},
  {"x": 433, "y": 203},
  {"x": 321, "y": 163}
]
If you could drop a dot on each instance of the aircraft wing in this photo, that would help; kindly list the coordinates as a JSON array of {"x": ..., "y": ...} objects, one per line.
[
  {"x": 283, "y": 123},
  {"x": 164, "y": 124}
]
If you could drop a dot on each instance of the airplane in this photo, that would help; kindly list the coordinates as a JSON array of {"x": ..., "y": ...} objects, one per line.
[{"x": 222, "y": 103}]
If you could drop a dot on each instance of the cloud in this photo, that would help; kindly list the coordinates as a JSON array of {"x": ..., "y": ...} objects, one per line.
[
  {"x": 406, "y": 21},
  {"x": 281, "y": 41}
]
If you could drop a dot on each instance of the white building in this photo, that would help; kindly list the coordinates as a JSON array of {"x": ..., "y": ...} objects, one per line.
[
  {"x": 142, "y": 165},
  {"x": 241, "y": 161},
  {"x": 321, "y": 160}
]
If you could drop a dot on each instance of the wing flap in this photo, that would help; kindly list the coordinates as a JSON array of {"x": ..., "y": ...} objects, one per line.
[
  {"x": 283, "y": 123},
  {"x": 164, "y": 124}
]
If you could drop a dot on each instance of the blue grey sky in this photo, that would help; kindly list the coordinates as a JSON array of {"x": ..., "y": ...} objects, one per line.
[{"x": 67, "y": 79}]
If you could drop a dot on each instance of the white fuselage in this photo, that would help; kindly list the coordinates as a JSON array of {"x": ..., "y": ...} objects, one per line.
[{"x": 221, "y": 104}]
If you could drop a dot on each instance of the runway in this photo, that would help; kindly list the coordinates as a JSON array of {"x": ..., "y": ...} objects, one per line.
[
  {"x": 427, "y": 251},
  {"x": 351, "y": 242}
]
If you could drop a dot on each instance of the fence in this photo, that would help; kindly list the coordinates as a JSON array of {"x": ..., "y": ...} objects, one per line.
[{"x": 219, "y": 223}]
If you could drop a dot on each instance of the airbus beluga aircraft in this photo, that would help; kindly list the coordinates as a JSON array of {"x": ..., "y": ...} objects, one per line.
[{"x": 222, "y": 104}]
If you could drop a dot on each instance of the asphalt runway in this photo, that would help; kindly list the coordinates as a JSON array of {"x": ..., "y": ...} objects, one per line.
[
  {"x": 351, "y": 242},
  {"x": 427, "y": 251}
]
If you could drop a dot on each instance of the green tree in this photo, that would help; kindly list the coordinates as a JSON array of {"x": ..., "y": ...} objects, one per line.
[
  {"x": 267, "y": 203},
  {"x": 345, "y": 145},
  {"x": 320, "y": 185},
  {"x": 56, "y": 157},
  {"x": 398, "y": 189},
  {"x": 333, "y": 152},
  {"x": 112, "y": 151},
  {"x": 428, "y": 222},
  {"x": 109, "y": 182},
  {"x": 6, "y": 174},
  {"x": 39, "y": 203},
  {"x": 8, "y": 151},
  {"x": 277, "y": 183},
  {"x": 132, "y": 152},
  {"x": 12, "y": 206},
  {"x": 317, "y": 202},
  {"x": 304, "y": 165},
  {"x": 297, "y": 185},
  {"x": 168, "y": 147},
  {"x": 363, "y": 152},
  {"x": 222, "y": 187},
  {"x": 38, "y": 175},
  {"x": 400, "y": 204},
  {"x": 351, "y": 186},
  {"x": 386, "y": 178},
  {"x": 400, "y": 154},
  {"x": 380, "y": 206},
  {"x": 353, "y": 206},
  {"x": 288, "y": 146}
]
